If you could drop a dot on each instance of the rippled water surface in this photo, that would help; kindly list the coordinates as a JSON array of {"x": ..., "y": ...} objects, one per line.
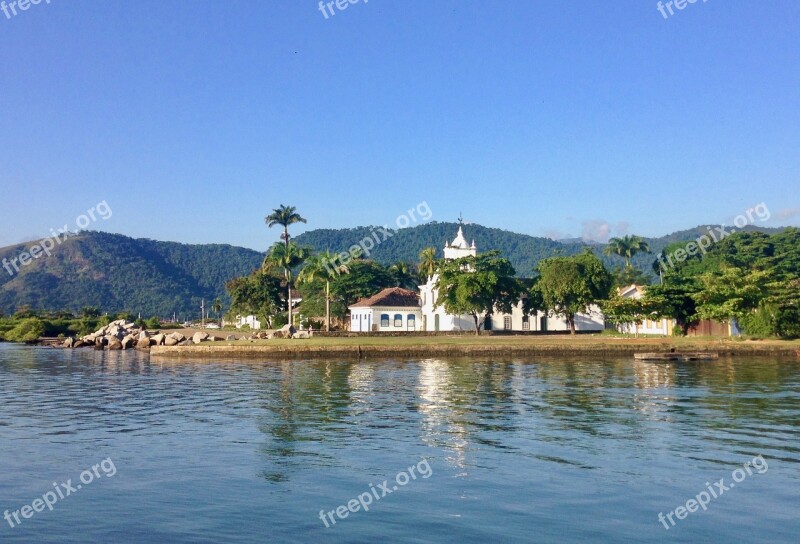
[{"x": 519, "y": 450}]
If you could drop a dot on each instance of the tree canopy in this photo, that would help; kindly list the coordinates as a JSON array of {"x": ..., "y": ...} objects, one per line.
[{"x": 478, "y": 286}]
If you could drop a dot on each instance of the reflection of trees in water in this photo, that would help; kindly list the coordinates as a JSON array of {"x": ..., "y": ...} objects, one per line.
[
  {"x": 591, "y": 397},
  {"x": 306, "y": 404},
  {"x": 550, "y": 406},
  {"x": 464, "y": 402}
]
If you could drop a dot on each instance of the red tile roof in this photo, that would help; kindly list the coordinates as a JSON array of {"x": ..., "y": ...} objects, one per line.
[{"x": 391, "y": 296}]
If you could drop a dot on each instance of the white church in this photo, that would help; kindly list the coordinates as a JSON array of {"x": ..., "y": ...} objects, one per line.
[{"x": 395, "y": 309}]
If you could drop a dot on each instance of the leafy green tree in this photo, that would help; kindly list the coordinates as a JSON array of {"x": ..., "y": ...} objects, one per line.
[
  {"x": 730, "y": 293},
  {"x": 570, "y": 285},
  {"x": 365, "y": 279},
  {"x": 620, "y": 310},
  {"x": 258, "y": 294},
  {"x": 532, "y": 299},
  {"x": 478, "y": 286},
  {"x": 675, "y": 299},
  {"x": 285, "y": 216},
  {"x": 626, "y": 247}
]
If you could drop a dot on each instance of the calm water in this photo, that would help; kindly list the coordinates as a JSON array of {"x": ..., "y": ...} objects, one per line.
[{"x": 520, "y": 450}]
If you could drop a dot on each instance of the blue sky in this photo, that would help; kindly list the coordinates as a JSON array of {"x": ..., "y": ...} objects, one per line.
[{"x": 192, "y": 120}]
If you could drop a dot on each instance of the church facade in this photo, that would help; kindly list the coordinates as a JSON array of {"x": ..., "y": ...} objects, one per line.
[{"x": 435, "y": 318}]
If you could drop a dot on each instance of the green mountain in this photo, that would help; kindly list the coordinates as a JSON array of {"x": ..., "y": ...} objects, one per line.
[
  {"x": 116, "y": 273},
  {"x": 522, "y": 250}
]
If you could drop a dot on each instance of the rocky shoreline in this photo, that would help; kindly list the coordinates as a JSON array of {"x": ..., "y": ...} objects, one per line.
[{"x": 122, "y": 335}]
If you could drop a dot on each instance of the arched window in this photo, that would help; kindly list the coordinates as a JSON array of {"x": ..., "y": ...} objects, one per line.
[
  {"x": 411, "y": 322},
  {"x": 384, "y": 320},
  {"x": 398, "y": 320}
]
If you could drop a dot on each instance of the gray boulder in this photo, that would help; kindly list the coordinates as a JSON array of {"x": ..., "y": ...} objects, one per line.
[
  {"x": 300, "y": 335},
  {"x": 199, "y": 337}
]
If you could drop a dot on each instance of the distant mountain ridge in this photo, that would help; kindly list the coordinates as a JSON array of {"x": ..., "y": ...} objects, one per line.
[
  {"x": 524, "y": 251},
  {"x": 117, "y": 273}
]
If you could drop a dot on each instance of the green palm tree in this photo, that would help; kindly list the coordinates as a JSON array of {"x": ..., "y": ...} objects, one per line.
[
  {"x": 403, "y": 275},
  {"x": 288, "y": 257},
  {"x": 626, "y": 247},
  {"x": 216, "y": 306},
  {"x": 322, "y": 266},
  {"x": 285, "y": 216},
  {"x": 427, "y": 262}
]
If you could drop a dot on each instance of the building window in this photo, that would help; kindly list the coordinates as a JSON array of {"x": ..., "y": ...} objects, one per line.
[
  {"x": 411, "y": 322},
  {"x": 526, "y": 324},
  {"x": 507, "y": 322},
  {"x": 384, "y": 320},
  {"x": 398, "y": 320}
]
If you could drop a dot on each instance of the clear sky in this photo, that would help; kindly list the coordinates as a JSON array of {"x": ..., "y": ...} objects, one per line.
[{"x": 192, "y": 120}]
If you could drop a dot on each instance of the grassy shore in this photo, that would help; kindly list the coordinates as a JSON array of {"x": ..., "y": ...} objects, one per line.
[{"x": 429, "y": 346}]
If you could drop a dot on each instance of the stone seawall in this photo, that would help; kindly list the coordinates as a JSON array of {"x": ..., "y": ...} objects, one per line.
[{"x": 355, "y": 351}]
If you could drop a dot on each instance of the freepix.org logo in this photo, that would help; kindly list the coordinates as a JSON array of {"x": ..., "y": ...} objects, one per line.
[{"x": 10, "y": 9}]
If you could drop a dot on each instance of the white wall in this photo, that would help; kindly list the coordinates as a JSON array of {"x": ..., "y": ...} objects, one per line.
[{"x": 362, "y": 319}]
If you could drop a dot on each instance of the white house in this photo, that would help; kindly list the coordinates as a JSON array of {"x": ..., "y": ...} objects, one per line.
[
  {"x": 435, "y": 318},
  {"x": 648, "y": 326},
  {"x": 249, "y": 320},
  {"x": 392, "y": 310}
]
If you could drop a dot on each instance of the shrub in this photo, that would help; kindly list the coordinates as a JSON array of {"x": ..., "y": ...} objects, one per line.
[
  {"x": 27, "y": 330},
  {"x": 153, "y": 323}
]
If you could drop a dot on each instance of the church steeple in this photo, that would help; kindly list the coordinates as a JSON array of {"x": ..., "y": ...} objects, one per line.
[{"x": 459, "y": 246}]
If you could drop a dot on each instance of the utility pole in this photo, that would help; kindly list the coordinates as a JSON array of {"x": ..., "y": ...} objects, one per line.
[{"x": 203, "y": 313}]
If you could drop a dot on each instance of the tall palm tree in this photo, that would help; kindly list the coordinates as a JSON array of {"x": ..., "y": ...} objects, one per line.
[
  {"x": 626, "y": 247},
  {"x": 285, "y": 216},
  {"x": 427, "y": 261},
  {"x": 288, "y": 257},
  {"x": 216, "y": 306},
  {"x": 323, "y": 266}
]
